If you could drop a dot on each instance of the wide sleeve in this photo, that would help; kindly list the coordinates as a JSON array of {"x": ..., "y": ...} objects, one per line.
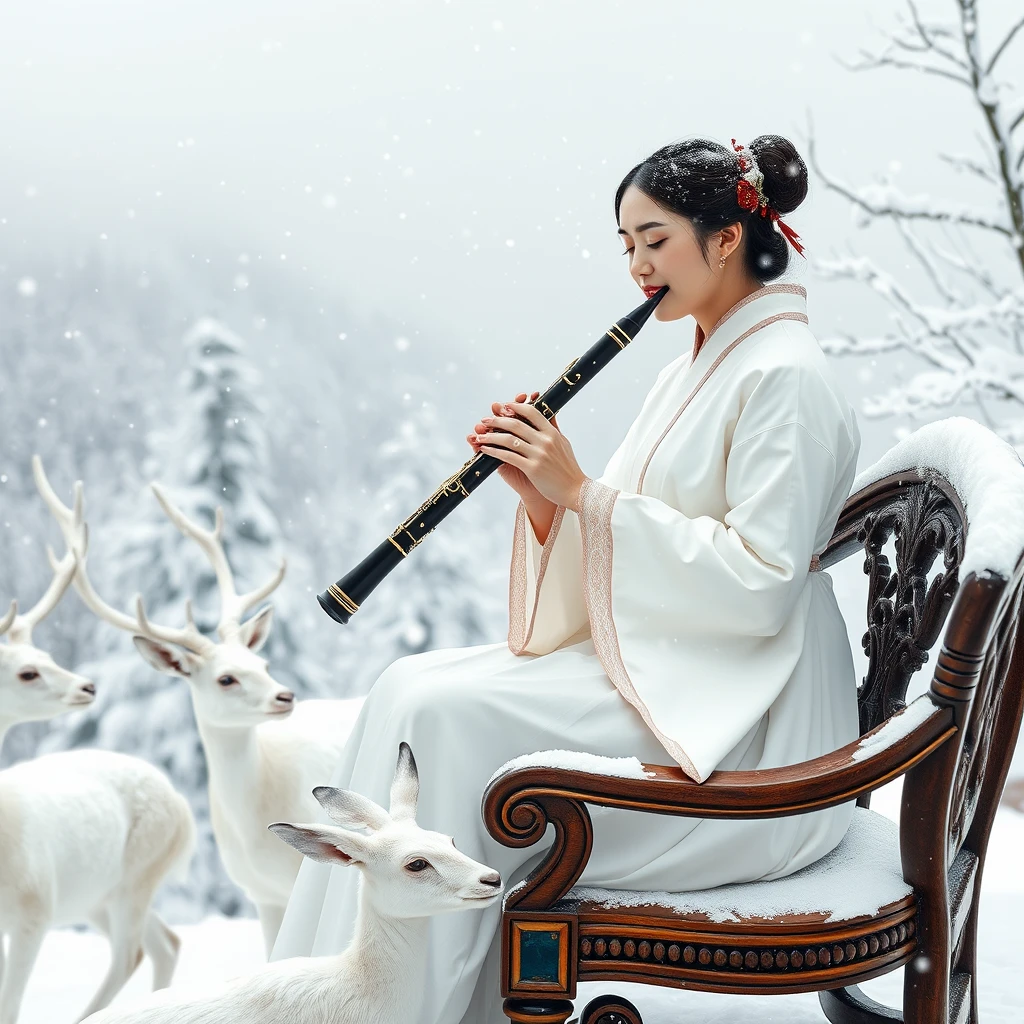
[
  {"x": 695, "y": 620},
  {"x": 546, "y": 605}
]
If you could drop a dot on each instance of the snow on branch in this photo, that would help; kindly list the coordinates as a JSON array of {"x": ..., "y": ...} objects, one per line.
[{"x": 970, "y": 333}]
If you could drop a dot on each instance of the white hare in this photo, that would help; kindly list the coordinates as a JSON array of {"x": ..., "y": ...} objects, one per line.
[{"x": 408, "y": 874}]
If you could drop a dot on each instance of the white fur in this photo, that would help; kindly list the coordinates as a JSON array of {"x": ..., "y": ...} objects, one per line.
[
  {"x": 379, "y": 978},
  {"x": 84, "y": 836},
  {"x": 265, "y": 751},
  {"x": 88, "y": 835}
]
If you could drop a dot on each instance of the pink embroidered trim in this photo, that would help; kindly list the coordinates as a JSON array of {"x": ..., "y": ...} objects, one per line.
[
  {"x": 597, "y": 502},
  {"x": 768, "y": 289},
  {"x": 791, "y": 315},
  {"x": 518, "y": 632}
]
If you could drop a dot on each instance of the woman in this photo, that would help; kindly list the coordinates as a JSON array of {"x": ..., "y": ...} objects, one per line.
[{"x": 669, "y": 609}]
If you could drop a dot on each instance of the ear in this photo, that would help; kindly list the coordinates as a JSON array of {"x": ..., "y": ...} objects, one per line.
[
  {"x": 254, "y": 632},
  {"x": 405, "y": 789},
  {"x": 351, "y": 810},
  {"x": 322, "y": 843},
  {"x": 174, "y": 661}
]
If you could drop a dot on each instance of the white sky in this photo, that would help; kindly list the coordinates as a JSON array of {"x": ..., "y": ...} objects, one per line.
[{"x": 389, "y": 151}]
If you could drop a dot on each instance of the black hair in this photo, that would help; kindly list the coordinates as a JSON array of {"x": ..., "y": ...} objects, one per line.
[{"x": 697, "y": 179}]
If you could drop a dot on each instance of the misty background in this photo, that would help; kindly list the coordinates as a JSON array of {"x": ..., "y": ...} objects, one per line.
[{"x": 374, "y": 219}]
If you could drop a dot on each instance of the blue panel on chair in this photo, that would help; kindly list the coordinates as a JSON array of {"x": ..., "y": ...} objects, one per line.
[{"x": 538, "y": 956}]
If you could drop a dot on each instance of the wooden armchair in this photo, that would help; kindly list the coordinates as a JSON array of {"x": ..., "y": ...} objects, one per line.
[{"x": 954, "y": 750}]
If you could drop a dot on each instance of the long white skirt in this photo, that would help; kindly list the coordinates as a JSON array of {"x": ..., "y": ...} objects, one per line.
[{"x": 465, "y": 711}]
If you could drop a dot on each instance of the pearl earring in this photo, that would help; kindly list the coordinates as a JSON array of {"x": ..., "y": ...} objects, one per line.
[{"x": 721, "y": 262}]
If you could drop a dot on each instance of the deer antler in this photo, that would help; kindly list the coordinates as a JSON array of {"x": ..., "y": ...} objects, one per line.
[
  {"x": 8, "y": 619},
  {"x": 76, "y": 536},
  {"x": 232, "y": 604},
  {"x": 21, "y": 626}
]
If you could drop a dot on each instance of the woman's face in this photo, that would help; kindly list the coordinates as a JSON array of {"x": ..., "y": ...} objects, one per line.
[{"x": 662, "y": 249}]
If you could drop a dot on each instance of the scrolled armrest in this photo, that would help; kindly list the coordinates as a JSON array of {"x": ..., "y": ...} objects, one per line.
[{"x": 520, "y": 802}]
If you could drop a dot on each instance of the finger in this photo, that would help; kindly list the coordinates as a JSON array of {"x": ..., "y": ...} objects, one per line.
[
  {"x": 507, "y": 440},
  {"x": 511, "y": 425},
  {"x": 531, "y": 414},
  {"x": 510, "y": 457}
]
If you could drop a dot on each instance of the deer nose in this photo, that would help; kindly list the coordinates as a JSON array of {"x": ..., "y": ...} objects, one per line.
[
  {"x": 88, "y": 688},
  {"x": 285, "y": 697},
  {"x": 493, "y": 879}
]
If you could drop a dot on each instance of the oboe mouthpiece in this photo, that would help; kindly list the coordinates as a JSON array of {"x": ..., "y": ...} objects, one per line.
[{"x": 632, "y": 322}]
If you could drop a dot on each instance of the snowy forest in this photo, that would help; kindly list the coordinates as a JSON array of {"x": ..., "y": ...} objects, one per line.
[
  {"x": 109, "y": 385},
  {"x": 318, "y": 428}
]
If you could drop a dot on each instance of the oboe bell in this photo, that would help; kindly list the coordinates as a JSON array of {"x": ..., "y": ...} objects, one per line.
[{"x": 341, "y": 600}]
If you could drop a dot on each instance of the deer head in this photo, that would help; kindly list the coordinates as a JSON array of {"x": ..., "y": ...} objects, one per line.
[
  {"x": 231, "y": 686},
  {"x": 33, "y": 686},
  {"x": 407, "y": 871}
]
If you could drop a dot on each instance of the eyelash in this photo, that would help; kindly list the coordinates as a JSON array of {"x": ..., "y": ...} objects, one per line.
[{"x": 653, "y": 245}]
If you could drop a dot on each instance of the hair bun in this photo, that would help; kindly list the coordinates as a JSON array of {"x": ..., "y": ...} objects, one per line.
[{"x": 784, "y": 170}]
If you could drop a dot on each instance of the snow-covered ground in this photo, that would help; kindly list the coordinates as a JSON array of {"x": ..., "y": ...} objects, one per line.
[{"x": 72, "y": 963}]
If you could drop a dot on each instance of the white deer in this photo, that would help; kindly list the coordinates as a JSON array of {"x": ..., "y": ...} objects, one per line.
[
  {"x": 408, "y": 874},
  {"x": 264, "y": 750},
  {"x": 85, "y": 835}
]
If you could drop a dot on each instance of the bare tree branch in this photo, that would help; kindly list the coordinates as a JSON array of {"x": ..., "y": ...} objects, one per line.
[
  {"x": 872, "y": 62},
  {"x": 928, "y": 37},
  {"x": 1003, "y": 45},
  {"x": 961, "y": 162}
]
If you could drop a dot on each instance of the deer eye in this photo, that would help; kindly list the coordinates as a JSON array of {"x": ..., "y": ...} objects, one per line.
[
  {"x": 28, "y": 674},
  {"x": 227, "y": 680},
  {"x": 417, "y": 865}
]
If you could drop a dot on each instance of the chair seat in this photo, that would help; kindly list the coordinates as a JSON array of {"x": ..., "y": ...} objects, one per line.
[{"x": 849, "y": 915}]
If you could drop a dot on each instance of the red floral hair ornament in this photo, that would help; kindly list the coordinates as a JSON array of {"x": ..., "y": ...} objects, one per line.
[{"x": 750, "y": 195}]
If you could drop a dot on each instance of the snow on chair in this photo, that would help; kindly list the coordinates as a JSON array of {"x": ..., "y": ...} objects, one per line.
[{"x": 886, "y": 896}]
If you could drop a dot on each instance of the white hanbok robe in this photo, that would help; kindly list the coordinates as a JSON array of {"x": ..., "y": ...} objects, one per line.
[{"x": 676, "y": 618}]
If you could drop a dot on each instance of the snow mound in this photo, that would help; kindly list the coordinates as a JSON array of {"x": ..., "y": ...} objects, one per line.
[
  {"x": 859, "y": 877},
  {"x": 903, "y": 723},
  {"x": 986, "y": 473},
  {"x": 578, "y": 761}
]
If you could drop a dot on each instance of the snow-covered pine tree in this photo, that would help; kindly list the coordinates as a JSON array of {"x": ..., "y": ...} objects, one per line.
[
  {"x": 452, "y": 590},
  {"x": 214, "y": 454}
]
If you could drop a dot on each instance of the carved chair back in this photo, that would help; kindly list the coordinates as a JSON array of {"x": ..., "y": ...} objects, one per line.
[
  {"x": 919, "y": 609},
  {"x": 908, "y": 609}
]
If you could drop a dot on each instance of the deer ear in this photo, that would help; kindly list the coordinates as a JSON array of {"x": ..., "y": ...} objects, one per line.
[
  {"x": 405, "y": 789},
  {"x": 351, "y": 810},
  {"x": 254, "y": 632},
  {"x": 322, "y": 842},
  {"x": 173, "y": 661}
]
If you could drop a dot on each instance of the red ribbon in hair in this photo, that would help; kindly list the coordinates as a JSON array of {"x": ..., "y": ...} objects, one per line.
[
  {"x": 784, "y": 228},
  {"x": 750, "y": 196}
]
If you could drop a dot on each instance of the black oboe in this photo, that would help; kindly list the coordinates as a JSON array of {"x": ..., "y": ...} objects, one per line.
[{"x": 343, "y": 599}]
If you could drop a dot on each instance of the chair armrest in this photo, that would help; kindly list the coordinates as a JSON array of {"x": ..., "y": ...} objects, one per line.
[{"x": 520, "y": 801}]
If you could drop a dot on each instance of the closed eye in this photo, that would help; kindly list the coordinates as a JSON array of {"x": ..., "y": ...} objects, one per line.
[{"x": 653, "y": 245}]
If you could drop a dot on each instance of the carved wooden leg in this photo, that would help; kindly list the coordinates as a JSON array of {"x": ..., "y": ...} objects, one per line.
[
  {"x": 610, "y": 1010},
  {"x": 538, "y": 1011}
]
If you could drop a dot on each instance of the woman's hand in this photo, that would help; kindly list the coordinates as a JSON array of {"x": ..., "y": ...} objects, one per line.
[
  {"x": 515, "y": 478},
  {"x": 527, "y": 443}
]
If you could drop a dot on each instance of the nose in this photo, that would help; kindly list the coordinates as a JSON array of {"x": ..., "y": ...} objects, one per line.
[
  {"x": 89, "y": 688},
  {"x": 493, "y": 879},
  {"x": 285, "y": 697}
]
